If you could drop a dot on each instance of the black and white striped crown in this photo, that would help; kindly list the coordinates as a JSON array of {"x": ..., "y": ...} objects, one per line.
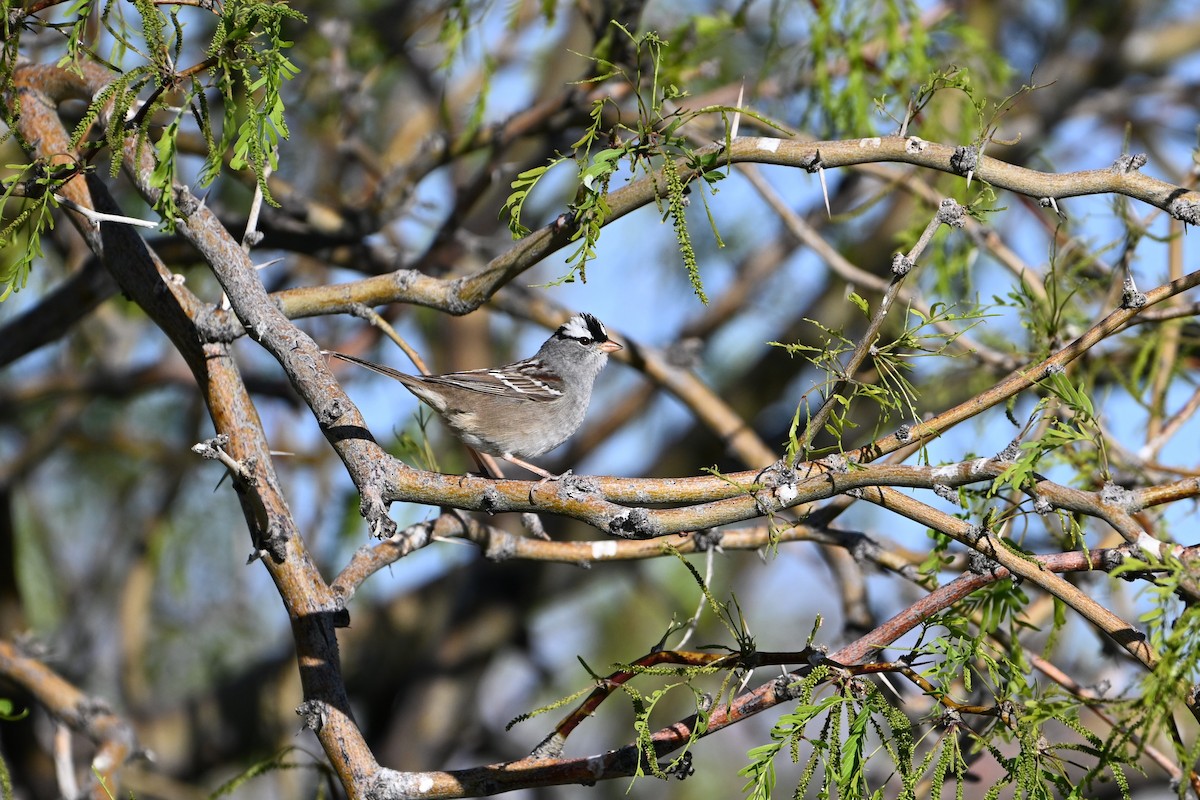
[{"x": 583, "y": 328}]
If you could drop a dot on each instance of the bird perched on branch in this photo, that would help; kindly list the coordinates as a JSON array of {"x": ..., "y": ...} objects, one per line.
[{"x": 519, "y": 410}]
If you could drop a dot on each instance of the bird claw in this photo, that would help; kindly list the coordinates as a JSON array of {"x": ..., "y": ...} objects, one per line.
[{"x": 550, "y": 477}]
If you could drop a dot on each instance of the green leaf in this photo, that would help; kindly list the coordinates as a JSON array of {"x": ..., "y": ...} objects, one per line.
[
  {"x": 7, "y": 712},
  {"x": 603, "y": 165},
  {"x": 522, "y": 185}
]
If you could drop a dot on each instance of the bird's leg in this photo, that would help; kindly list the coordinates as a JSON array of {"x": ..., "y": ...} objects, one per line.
[
  {"x": 487, "y": 465},
  {"x": 535, "y": 469},
  {"x": 531, "y": 522}
]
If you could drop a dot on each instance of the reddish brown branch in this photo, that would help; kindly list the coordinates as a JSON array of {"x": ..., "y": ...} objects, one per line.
[{"x": 623, "y": 762}]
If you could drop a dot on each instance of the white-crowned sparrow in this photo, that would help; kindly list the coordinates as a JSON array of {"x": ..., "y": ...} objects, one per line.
[{"x": 519, "y": 410}]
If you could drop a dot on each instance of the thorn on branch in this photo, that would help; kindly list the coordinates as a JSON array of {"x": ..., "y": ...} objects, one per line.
[
  {"x": 965, "y": 161},
  {"x": 812, "y": 163},
  {"x": 1128, "y": 163},
  {"x": 825, "y": 193},
  {"x": 214, "y": 449},
  {"x": 97, "y": 217},
  {"x": 211, "y": 448},
  {"x": 737, "y": 117}
]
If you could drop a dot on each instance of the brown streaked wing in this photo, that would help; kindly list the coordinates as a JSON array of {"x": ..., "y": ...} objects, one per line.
[{"x": 525, "y": 383}]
